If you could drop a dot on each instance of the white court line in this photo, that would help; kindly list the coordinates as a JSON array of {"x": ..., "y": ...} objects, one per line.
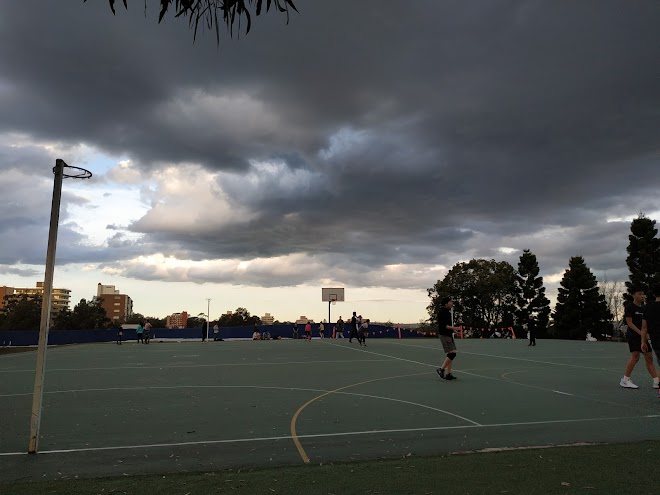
[
  {"x": 195, "y": 366},
  {"x": 563, "y": 393},
  {"x": 172, "y": 387},
  {"x": 464, "y": 372},
  {"x": 331, "y": 435},
  {"x": 508, "y": 357}
]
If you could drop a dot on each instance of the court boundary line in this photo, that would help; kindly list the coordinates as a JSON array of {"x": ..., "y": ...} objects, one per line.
[
  {"x": 194, "y": 366},
  {"x": 330, "y": 435},
  {"x": 294, "y": 419},
  {"x": 599, "y": 401},
  {"x": 512, "y": 358}
]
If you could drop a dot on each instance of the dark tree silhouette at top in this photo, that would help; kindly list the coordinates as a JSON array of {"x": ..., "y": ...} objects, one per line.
[{"x": 209, "y": 12}]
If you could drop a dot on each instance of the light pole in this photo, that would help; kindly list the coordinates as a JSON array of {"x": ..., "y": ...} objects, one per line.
[{"x": 208, "y": 317}]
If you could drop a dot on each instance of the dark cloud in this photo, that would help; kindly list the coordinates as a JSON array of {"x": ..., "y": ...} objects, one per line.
[{"x": 416, "y": 136}]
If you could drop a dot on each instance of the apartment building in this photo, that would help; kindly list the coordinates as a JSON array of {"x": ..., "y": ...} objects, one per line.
[
  {"x": 60, "y": 297},
  {"x": 177, "y": 320},
  {"x": 118, "y": 307},
  {"x": 267, "y": 319}
]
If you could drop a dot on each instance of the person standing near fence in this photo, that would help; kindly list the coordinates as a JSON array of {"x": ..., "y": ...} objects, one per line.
[
  {"x": 120, "y": 333},
  {"x": 634, "y": 314},
  {"x": 147, "y": 332},
  {"x": 531, "y": 328},
  {"x": 140, "y": 333},
  {"x": 354, "y": 328},
  {"x": 446, "y": 331},
  {"x": 322, "y": 330},
  {"x": 339, "y": 329}
]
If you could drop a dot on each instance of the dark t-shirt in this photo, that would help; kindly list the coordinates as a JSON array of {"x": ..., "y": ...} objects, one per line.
[
  {"x": 340, "y": 325},
  {"x": 636, "y": 313},
  {"x": 444, "y": 319},
  {"x": 652, "y": 317}
]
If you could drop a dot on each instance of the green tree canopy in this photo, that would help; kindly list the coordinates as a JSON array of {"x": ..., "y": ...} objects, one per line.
[
  {"x": 485, "y": 291},
  {"x": 240, "y": 317},
  {"x": 21, "y": 312},
  {"x": 581, "y": 308},
  {"x": 643, "y": 256},
  {"x": 531, "y": 292},
  {"x": 210, "y": 13},
  {"x": 86, "y": 315}
]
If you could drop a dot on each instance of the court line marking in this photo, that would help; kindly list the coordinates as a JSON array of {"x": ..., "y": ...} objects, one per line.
[
  {"x": 294, "y": 419},
  {"x": 331, "y": 435},
  {"x": 196, "y": 365},
  {"x": 508, "y": 357},
  {"x": 635, "y": 408}
]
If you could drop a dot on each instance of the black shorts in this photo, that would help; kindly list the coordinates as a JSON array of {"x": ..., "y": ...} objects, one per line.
[{"x": 635, "y": 341}]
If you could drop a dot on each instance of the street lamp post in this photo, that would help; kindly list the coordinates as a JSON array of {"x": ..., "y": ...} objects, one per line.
[{"x": 208, "y": 317}]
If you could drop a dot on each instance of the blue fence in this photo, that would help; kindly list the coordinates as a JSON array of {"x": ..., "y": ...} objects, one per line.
[{"x": 63, "y": 337}]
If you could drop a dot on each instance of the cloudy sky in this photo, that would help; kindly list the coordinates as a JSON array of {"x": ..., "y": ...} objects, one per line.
[{"x": 364, "y": 145}]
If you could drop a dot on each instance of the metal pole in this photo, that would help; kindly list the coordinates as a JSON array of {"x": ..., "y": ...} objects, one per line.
[
  {"x": 208, "y": 317},
  {"x": 37, "y": 397},
  {"x": 329, "y": 303}
]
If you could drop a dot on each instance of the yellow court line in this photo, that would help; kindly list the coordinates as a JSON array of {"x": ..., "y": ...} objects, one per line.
[{"x": 294, "y": 434}]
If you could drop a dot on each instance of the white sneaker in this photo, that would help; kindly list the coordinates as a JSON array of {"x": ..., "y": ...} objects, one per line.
[
  {"x": 656, "y": 384},
  {"x": 627, "y": 383}
]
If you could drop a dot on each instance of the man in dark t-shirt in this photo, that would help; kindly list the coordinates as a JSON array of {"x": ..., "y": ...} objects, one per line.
[
  {"x": 633, "y": 314},
  {"x": 651, "y": 326},
  {"x": 446, "y": 331}
]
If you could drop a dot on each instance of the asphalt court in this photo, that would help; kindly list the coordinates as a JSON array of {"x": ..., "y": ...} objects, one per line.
[{"x": 167, "y": 407}]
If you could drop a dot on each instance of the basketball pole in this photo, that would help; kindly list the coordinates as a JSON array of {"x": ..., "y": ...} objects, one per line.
[{"x": 37, "y": 396}]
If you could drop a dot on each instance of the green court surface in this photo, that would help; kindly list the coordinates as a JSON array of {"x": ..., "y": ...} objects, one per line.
[{"x": 177, "y": 407}]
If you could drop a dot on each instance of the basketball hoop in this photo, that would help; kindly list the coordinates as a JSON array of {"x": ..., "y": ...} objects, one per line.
[
  {"x": 334, "y": 302},
  {"x": 71, "y": 172}
]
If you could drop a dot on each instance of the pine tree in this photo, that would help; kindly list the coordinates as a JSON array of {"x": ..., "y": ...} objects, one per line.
[
  {"x": 581, "y": 308},
  {"x": 643, "y": 256},
  {"x": 531, "y": 295}
]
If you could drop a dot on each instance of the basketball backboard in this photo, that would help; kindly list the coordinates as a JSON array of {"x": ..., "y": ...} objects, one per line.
[{"x": 332, "y": 294}]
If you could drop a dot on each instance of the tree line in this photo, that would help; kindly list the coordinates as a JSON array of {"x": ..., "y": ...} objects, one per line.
[{"x": 493, "y": 293}]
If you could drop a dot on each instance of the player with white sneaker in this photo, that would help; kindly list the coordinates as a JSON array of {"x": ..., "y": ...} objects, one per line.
[
  {"x": 634, "y": 315},
  {"x": 651, "y": 326}
]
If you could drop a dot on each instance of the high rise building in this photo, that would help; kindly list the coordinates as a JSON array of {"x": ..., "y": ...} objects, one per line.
[
  {"x": 177, "y": 320},
  {"x": 118, "y": 307},
  {"x": 267, "y": 319},
  {"x": 59, "y": 301}
]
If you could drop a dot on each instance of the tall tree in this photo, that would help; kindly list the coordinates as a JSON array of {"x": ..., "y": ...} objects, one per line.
[
  {"x": 86, "y": 315},
  {"x": 531, "y": 292},
  {"x": 643, "y": 256},
  {"x": 21, "y": 313},
  {"x": 581, "y": 308},
  {"x": 210, "y": 12},
  {"x": 485, "y": 291}
]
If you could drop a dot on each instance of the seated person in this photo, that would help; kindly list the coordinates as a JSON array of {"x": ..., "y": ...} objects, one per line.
[
  {"x": 266, "y": 335},
  {"x": 256, "y": 335}
]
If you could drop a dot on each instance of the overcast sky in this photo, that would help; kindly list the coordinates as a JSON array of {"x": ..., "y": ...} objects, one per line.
[{"x": 363, "y": 145}]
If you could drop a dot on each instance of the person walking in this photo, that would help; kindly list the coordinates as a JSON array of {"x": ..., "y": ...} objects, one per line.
[
  {"x": 354, "y": 328},
  {"x": 339, "y": 329},
  {"x": 140, "y": 333},
  {"x": 446, "y": 331},
  {"x": 651, "y": 328},
  {"x": 295, "y": 331},
  {"x": 634, "y": 315},
  {"x": 308, "y": 332},
  {"x": 321, "y": 330},
  {"x": 531, "y": 328}
]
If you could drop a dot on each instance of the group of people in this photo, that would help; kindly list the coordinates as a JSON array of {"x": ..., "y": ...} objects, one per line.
[
  {"x": 261, "y": 336},
  {"x": 643, "y": 335},
  {"x": 358, "y": 330},
  {"x": 143, "y": 332}
]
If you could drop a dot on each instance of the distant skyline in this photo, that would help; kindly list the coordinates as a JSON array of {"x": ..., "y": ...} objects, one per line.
[{"x": 371, "y": 151}]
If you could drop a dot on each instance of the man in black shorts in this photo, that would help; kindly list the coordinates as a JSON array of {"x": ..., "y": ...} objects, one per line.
[
  {"x": 634, "y": 314},
  {"x": 446, "y": 331},
  {"x": 651, "y": 325}
]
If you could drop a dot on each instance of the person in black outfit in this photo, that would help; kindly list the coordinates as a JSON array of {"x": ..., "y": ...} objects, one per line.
[
  {"x": 446, "y": 331},
  {"x": 205, "y": 329},
  {"x": 651, "y": 328},
  {"x": 354, "y": 328},
  {"x": 531, "y": 328}
]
